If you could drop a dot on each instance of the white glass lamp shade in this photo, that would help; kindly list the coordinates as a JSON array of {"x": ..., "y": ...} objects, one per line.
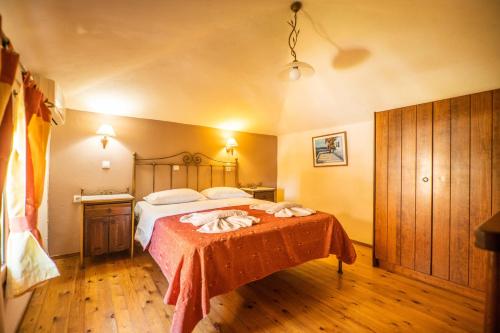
[
  {"x": 295, "y": 70},
  {"x": 294, "y": 73},
  {"x": 231, "y": 143},
  {"x": 106, "y": 130}
]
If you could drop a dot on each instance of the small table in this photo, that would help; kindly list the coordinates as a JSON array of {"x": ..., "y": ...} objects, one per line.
[
  {"x": 262, "y": 193},
  {"x": 107, "y": 224}
]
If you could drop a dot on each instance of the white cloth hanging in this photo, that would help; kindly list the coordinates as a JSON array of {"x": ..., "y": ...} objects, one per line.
[
  {"x": 284, "y": 209},
  {"x": 219, "y": 221}
]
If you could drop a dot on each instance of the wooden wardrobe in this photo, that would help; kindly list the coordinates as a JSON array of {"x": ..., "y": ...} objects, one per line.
[{"x": 437, "y": 177}]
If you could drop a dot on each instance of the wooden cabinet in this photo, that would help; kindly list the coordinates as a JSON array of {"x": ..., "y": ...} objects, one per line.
[
  {"x": 262, "y": 193},
  {"x": 107, "y": 227},
  {"x": 436, "y": 174}
]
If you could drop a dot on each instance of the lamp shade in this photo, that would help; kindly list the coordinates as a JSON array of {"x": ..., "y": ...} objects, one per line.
[
  {"x": 295, "y": 70},
  {"x": 106, "y": 130},
  {"x": 231, "y": 142}
]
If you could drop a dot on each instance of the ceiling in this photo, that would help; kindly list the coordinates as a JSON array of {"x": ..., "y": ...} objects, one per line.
[{"x": 216, "y": 63}]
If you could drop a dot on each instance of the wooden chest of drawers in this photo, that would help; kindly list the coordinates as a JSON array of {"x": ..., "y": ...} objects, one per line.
[
  {"x": 262, "y": 193},
  {"x": 107, "y": 227}
]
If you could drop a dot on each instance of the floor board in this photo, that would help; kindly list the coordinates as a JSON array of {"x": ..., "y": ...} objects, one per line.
[{"x": 120, "y": 295}]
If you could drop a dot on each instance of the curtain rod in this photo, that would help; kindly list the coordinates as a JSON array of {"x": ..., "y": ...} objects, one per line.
[{"x": 6, "y": 44}]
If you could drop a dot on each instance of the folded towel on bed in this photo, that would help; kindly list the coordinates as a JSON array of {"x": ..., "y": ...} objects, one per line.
[
  {"x": 284, "y": 209},
  {"x": 218, "y": 221}
]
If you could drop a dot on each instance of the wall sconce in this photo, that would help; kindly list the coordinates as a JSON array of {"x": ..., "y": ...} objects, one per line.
[
  {"x": 105, "y": 130},
  {"x": 230, "y": 145}
]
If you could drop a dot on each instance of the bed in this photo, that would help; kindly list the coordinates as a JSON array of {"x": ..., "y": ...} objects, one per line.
[{"x": 200, "y": 266}]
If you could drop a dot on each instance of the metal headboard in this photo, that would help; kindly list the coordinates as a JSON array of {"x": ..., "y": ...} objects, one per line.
[{"x": 186, "y": 160}]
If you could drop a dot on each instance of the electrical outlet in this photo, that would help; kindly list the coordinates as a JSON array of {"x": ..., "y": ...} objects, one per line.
[{"x": 77, "y": 198}]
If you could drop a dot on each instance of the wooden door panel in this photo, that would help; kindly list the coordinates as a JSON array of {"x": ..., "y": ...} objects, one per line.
[
  {"x": 97, "y": 235},
  {"x": 459, "y": 189},
  {"x": 441, "y": 190},
  {"x": 495, "y": 163},
  {"x": 119, "y": 233},
  {"x": 381, "y": 147},
  {"x": 423, "y": 201},
  {"x": 480, "y": 181},
  {"x": 437, "y": 177},
  {"x": 394, "y": 188},
  {"x": 408, "y": 161}
]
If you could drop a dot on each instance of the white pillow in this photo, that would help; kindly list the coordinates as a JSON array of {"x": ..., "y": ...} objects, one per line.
[
  {"x": 174, "y": 196},
  {"x": 225, "y": 193}
]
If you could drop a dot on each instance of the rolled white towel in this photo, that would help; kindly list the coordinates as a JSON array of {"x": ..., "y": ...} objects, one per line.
[
  {"x": 294, "y": 211},
  {"x": 218, "y": 221},
  {"x": 284, "y": 209},
  {"x": 273, "y": 207},
  {"x": 228, "y": 224},
  {"x": 199, "y": 219}
]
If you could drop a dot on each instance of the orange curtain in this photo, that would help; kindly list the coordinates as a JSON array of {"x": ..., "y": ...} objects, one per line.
[
  {"x": 27, "y": 263},
  {"x": 8, "y": 66},
  {"x": 37, "y": 130}
]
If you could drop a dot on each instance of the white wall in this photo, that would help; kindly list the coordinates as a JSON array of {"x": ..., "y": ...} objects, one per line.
[{"x": 345, "y": 191}]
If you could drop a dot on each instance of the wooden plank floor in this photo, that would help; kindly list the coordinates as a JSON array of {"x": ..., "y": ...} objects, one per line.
[{"x": 118, "y": 295}]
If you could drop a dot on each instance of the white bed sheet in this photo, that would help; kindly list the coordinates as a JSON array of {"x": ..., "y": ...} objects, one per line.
[{"x": 147, "y": 214}]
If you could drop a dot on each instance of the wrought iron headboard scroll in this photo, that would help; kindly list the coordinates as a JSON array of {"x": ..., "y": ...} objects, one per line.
[{"x": 185, "y": 159}]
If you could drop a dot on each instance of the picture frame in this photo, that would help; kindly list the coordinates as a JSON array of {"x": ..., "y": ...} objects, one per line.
[{"x": 330, "y": 150}]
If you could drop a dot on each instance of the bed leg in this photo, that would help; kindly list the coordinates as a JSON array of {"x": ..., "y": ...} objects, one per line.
[{"x": 340, "y": 267}]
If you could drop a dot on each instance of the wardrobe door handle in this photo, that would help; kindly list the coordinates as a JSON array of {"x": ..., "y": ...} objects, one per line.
[{"x": 425, "y": 179}]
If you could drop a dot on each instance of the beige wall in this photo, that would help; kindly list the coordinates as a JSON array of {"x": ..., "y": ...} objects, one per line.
[
  {"x": 345, "y": 191},
  {"x": 76, "y": 156}
]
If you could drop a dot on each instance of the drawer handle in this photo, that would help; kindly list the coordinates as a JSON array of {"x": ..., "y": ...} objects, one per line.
[{"x": 425, "y": 179}]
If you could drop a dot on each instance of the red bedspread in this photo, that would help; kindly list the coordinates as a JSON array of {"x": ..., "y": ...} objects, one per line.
[{"x": 200, "y": 266}]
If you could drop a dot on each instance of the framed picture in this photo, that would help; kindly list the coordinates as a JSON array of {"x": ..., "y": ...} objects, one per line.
[{"x": 330, "y": 149}]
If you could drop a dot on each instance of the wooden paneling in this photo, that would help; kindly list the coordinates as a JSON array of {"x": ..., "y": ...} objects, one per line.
[
  {"x": 495, "y": 163},
  {"x": 441, "y": 190},
  {"x": 480, "y": 180},
  {"x": 437, "y": 178},
  {"x": 394, "y": 188},
  {"x": 408, "y": 163},
  {"x": 459, "y": 194},
  {"x": 381, "y": 147},
  {"x": 423, "y": 201}
]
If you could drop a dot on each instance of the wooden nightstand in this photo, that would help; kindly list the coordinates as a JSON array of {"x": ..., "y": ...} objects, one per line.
[
  {"x": 262, "y": 193},
  {"x": 107, "y": 225}
]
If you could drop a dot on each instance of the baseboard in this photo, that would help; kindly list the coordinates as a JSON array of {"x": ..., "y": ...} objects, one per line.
[
  {"x": 60, "y": 256},
  {"x": 434, "y": 281}
]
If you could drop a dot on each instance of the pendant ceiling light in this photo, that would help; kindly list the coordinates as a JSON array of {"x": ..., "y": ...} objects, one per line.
[{"x": 295, "y": 69}]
